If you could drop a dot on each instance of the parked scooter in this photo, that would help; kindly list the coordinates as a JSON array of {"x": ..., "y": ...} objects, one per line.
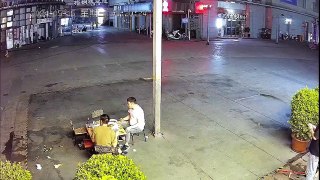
[
  {"x": 175, "y": 35},
  {"x": 265, "y": 33}
]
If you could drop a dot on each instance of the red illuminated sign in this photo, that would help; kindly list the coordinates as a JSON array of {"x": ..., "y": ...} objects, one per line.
[
  {"x": 165, "y": 6},
  {"x": 200, "y": 7}
]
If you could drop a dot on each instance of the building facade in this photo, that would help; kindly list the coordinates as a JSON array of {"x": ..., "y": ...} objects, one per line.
[
  {"x": 89, "y": 12},
  {"x": 225, "y": 18},
  {"x": 29, "y": 21}
]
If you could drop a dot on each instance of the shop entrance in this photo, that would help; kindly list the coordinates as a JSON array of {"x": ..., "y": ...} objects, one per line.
[
  {"x": 232, "y": 24},
  {"x": 232, "y": 27}
]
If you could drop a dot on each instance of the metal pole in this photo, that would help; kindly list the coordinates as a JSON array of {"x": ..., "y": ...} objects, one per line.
[
  {"x": 208, "y": 25},
  {"x": 157, "y": 38},
  {"x": 189, "y": 24},
  {"x": 277, "y": 30},
  {"x": 71, "y": 20},
  {"x": 150, "y": 25}
]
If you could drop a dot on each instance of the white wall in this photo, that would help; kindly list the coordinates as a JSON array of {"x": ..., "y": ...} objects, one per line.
[
  {"x": 257, "y": 20},
  {"x": 296, "y": 26}
]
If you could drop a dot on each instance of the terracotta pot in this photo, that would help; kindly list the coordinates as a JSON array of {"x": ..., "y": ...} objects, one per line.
[{"x": 299, "y": 146}]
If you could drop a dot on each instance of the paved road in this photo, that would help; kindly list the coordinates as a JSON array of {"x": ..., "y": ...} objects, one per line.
[{"x": 225, "y": 106}]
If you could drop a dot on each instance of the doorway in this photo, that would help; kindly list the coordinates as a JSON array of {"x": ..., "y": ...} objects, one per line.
[{"x": 233, "y": 27}]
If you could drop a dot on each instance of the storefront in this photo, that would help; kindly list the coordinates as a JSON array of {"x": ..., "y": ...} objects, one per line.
[
  {"x": 231, "y": 19},
  {"x": 133, "y": 16},
  {"x": 27, "y": 23}
]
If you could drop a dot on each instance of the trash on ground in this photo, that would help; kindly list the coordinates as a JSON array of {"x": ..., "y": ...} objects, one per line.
[
  {"x": 39, "y": 166},
  {"x": 48, "y": 157},
  {"x": 46, "y": 149},
  {"x": 57, "y": 165}
]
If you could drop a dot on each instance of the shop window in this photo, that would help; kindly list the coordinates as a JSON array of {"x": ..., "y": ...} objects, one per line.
[
  {"x": 10, "y": 12},
  {"x": 304, "y": 4},
  {"x": 315, "y": 7},
  {"x": 9, "y": 24},
  {"x": 288, "y": 21},
  {"x": 22, "y": 10},
  {"x": 4, "y": 20}
]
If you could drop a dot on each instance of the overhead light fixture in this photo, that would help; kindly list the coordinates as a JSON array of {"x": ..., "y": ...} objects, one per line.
[{"x": 230, "y": 11}]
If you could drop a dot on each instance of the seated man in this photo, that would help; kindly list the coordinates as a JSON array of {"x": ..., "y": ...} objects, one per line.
[
  {"x": 104, "y": 137},
  {"x": 136, "y": 120}
]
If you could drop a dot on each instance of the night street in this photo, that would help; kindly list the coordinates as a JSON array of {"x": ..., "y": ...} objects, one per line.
[{"x": 225, "y": 106}]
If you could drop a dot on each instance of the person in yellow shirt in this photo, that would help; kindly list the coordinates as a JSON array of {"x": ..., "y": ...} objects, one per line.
[{"x": 104, "y": 137}]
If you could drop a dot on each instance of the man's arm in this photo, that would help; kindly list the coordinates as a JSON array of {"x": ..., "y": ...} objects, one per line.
[
  {"x": 114, "y": 141},
  {"x": 125, "y": 118},
  {"x": 312, "y": 128},
  {"x": 93, "y": 136}
]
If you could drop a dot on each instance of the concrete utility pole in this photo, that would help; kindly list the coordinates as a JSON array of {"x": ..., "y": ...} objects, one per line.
[{"x": 157, "y": 38}]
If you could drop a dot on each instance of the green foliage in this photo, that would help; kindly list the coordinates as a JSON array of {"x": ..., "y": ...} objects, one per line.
[
  {"x": 304, "y": 110},
  {"x": 13, "y": 171},
  {"x": 109, "y": 167}
]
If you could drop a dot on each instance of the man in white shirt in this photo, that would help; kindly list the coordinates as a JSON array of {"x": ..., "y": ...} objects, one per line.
[{"x": 136, "y": 120}]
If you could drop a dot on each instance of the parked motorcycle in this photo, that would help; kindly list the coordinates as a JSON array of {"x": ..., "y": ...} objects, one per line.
[
  {"x": 175, "y": 35},
  {"x": 265, "y": 33}
]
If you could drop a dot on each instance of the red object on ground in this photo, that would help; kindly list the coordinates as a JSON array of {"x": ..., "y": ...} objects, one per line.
[
  {"x": 287, "y": 171},
  {"x": 88, "y": 144}
]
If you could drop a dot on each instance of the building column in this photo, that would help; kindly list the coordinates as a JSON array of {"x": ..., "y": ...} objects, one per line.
[
  {"x": 133, "y": 22},
  {"x": 247, "y": 15}
]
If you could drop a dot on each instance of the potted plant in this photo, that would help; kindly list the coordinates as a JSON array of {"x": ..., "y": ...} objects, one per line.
[
  {"x": 13, "y": 171},
  {"x": 304, "y": 110},
  {"x": 109, "y": 167}
]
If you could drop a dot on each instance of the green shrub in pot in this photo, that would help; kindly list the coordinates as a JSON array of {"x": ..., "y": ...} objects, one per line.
[
  {"x": 13, "y": 171},
  {"x": 304, "y": 110},
  {"x": 109, "y": 167}
]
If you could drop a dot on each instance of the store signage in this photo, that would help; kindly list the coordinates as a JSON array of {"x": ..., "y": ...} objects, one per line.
[
  {"x": 45, "y": 20},
  {"x": 138, "y": 7},
  {"x": 200, "y": 7},
  {"x": 232, "y": 16},
  {"x": 292, "y": 2},
  {"x": 46, "y": 14},
  {"x": 42, "y": 13},
  {"x": 165, "y": 6},
  {"x": 89, "y": 2}
]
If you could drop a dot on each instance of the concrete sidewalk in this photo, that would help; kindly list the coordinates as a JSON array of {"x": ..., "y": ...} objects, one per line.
[
  {"x": 224, "y": 106},
  {"x": 200, "y": 139}
]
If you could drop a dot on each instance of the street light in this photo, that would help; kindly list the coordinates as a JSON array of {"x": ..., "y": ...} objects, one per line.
[
  {"x": 189, "y": 10},
  {"x": 278, "y": 28},
  {"x": 208, "y": 7}
]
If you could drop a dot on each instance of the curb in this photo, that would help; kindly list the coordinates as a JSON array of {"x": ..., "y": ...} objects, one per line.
[{"x": 20, "y": 141}]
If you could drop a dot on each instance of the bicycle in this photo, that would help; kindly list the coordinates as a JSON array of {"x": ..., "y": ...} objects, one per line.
[{"x": 313, "y": 45}]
